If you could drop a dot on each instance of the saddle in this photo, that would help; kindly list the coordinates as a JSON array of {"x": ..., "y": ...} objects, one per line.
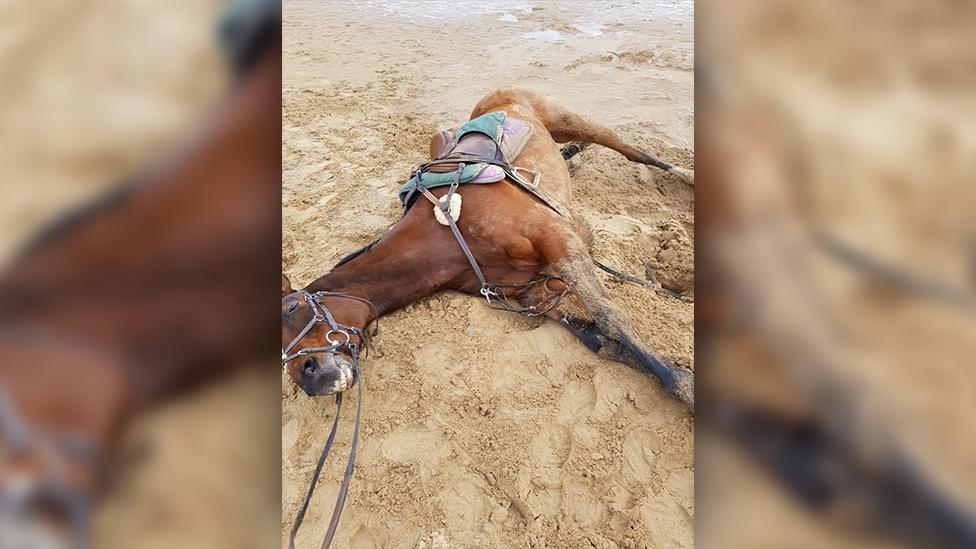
[
  {"x": 480, "y": 151},
  {"x": 475, "y": 144}
]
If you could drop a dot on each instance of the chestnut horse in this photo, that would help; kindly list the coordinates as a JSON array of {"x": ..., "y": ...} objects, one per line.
[
  {"x": 146, "y": 291},
  {"x": 530, "y": 253}
]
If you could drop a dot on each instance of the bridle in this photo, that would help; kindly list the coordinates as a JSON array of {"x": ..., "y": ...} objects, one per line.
[
  {"x": 19, "y": 494},
  {"x": 339, "y": 340},
  {"x": 322, "y": 315}
]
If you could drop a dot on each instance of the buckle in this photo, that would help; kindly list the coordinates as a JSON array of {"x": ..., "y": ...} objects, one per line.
[{"x": 488, "y": 292}]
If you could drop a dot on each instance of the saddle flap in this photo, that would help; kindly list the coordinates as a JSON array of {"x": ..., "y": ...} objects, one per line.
[{"x": 515, "y": 136}]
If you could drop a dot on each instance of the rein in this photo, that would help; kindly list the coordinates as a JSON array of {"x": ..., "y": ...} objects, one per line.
[{"x": 321, "y": 314}]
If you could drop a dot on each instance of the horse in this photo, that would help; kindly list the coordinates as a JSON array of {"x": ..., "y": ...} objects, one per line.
[
  {"x": 148, "y": 290},
  {"x": 519, "y": 235}
]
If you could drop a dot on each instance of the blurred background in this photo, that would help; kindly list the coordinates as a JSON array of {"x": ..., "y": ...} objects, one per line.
[
  {"x": 93, "y": 92},
  {"x": 147, "y": 103},
  {"x": 836, "y": 274}
]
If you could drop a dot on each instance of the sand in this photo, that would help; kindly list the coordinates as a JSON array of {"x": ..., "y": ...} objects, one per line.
[{"x": 481, "y": 428}]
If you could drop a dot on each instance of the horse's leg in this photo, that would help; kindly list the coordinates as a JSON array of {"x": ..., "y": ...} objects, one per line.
[
  {"x": 587, "y": 331},
  {"x": 594, "y": 339},
  {"x": 608, "y": 330},
  {"x": 571, "y": 314},
  {"x": 565, "y": 125}
]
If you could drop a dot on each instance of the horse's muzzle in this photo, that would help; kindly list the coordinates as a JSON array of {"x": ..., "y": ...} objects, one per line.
[{"x": 333, "y": 373}]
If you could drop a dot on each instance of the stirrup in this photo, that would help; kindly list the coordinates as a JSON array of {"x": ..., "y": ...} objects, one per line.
[{"x": 536, "y": 176}]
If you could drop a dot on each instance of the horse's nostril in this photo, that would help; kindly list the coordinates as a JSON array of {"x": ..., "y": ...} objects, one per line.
[{"x": 309, "y": 366}]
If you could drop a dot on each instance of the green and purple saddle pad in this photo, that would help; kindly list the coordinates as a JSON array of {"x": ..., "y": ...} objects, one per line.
[{"x": 510, "y": 136}]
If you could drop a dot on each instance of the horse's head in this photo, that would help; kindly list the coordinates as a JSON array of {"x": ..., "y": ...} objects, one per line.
[
  {"x": 59, "y": 405},
  {"x": 320, "y": 355}
]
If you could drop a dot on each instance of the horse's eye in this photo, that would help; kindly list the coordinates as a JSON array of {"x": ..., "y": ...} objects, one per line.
[{"x": 291, "y": 307}]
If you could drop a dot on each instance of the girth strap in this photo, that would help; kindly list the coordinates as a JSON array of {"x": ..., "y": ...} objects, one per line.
[{"x": 445, "y": 207}]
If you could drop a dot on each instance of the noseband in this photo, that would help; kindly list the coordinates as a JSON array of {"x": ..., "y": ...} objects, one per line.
[{"x": 338, "y": 337}]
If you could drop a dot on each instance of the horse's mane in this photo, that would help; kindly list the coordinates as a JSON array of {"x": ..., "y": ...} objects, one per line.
[
  {"x": 79, "y": 216},
  {"x": 356, "y": 254}
]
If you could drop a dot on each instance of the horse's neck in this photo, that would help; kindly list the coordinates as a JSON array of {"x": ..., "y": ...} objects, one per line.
[
  {"x": 112, "y": 281},
  {"x": 358, "y": 279},
  {"x": 388, "y": 275}
]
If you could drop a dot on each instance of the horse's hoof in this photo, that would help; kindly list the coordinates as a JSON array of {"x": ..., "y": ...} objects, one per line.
[{"x": 688, "y": 176}]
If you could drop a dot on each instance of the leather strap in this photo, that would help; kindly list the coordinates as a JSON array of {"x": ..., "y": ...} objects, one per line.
[
  {"x": 321, "y": 313},
  {"x": 347, "y": 477},
  {"x": 300, "y": 516},
  {"x": 458, "y": 236},
  {"x": 488, "y": 290}
]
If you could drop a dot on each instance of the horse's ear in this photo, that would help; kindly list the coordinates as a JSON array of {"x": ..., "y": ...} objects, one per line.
[{"x": 285, "y": 285}]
